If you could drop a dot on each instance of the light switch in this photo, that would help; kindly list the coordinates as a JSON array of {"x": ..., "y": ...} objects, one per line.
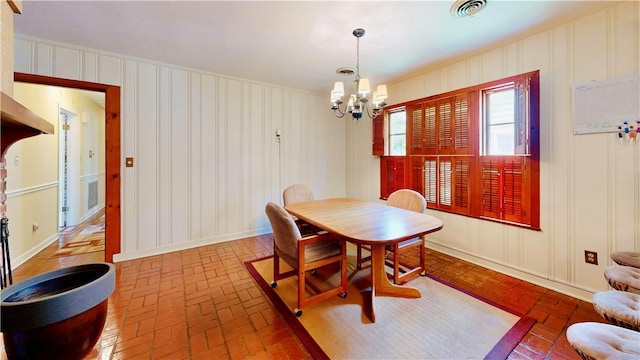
[{"x": 128, "y": 162}]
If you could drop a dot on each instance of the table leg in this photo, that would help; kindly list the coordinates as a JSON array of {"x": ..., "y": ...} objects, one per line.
[{"x": 380, "y": 284}]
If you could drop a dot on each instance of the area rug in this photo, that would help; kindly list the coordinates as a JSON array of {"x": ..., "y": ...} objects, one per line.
[
  {"x": 445, "y": 323},
  {"x": 82, "y": 244}
]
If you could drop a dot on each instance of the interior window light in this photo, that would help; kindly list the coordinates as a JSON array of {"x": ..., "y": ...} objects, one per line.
[
  {"x": 397, "y": 133},
  {"x": 499, "y": 120}
]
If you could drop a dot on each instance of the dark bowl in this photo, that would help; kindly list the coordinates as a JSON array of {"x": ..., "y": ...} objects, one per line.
[{"x": 56, "y": 315}]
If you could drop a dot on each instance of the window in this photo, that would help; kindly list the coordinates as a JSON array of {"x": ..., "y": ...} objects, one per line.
[
  {"x": 397, "y": 133},
  {"x": 473, "y": 151},
  {"x": 499, "y": 119}
]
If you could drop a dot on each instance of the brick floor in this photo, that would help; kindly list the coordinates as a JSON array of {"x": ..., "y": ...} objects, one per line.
[{"x": 202, "y": 304}]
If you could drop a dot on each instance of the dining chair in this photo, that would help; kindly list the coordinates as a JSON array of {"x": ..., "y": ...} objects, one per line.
[
  {"x": 409, "y": 200},
  {"x": 297, "y": 193},
  {"x": 304, "y": 254}
]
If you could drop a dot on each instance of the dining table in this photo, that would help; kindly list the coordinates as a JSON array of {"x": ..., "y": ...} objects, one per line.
[{"x": 369, "y": 223}]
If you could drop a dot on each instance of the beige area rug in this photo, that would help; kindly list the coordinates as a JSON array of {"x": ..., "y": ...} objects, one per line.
[{"x": 445, "y": 323}]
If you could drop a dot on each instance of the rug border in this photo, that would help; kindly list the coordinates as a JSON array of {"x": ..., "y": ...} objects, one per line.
[
  {"x": 306, "y": 339},
  {"x": 501, "y": 350}
]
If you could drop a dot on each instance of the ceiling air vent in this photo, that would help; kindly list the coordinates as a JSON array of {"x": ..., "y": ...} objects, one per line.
[
  {"x": 464, "y": 8},
  {"x": 347, "y": 71}
]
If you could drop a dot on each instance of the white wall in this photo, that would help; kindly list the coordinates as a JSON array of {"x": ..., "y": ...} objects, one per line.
[
  {"x": 590, "y": 184},
  {"x": 206, "y": 157}
]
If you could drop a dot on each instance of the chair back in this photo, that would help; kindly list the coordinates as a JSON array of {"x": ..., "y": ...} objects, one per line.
[
  {"x": 297, "y": 193},
  {"x": 285, "y": 230},
  {"x": 408, "y": 199}
]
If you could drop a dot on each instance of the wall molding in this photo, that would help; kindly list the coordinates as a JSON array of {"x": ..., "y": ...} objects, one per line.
[
  {"x": 31, "y": 189},
  {"x": 537, "y": 279}
]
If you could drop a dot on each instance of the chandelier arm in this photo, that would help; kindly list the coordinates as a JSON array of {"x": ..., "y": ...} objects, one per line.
[
  {"x": 337, "y": 113},
  {"x": 337, "y": 110},
  {"x": 368, "y": 107}
]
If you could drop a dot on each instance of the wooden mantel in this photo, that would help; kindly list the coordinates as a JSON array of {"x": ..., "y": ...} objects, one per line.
[{"x": 18, "y": 122}]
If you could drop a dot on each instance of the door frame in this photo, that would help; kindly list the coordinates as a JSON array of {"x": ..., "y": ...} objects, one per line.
[{"x": 112, "y": 151}]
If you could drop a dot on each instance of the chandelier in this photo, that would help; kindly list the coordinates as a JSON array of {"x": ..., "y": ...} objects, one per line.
[{"x": 360, "y": 102}]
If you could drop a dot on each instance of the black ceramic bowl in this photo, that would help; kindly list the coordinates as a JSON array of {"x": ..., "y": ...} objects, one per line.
[{"x": 56, "y": 315}]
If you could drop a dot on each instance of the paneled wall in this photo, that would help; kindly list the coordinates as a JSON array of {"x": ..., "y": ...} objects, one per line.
[
  {"x": 590, "y": 184},
  {"x": 206, "y": 160}
]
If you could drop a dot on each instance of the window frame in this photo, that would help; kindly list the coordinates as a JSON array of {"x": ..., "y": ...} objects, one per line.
[
  {"x": 520, "y": 203},
  {"x": 389, "y": 134}
]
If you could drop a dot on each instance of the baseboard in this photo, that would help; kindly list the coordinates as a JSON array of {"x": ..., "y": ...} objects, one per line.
[
  {"x": 537, "y": 279},
  {"x": 137, "y": 254},
  {"x": 33, "y": 251},
  {"x": 91, "y": 213}
]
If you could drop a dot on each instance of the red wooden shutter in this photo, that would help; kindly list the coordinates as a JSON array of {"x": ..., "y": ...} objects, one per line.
[
  {"x": 399, "y": 169},
  {"x": 491, "y": 189},
  {"x": 445, "y": 116},
  {"x": 430, "y": 182},
  {"x": 415, "y": 119},
  {"x": 461, "y": 124},
  {"x": 445, "y": 184},
  {"x": 417, "y": 174},
  {"x": 378, "y": 135},
  {"x": 430, "y": 145},
  {"x": 461, "y": 193},
  {"x": 386, "y": 176},
  {"x": 513, "y": 189}
]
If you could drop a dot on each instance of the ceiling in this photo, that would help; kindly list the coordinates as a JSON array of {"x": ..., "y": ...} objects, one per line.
[{"x": 297, "y": 44}]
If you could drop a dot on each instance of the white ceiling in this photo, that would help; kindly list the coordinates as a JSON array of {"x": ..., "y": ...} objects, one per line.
[{"x": 297, "y": 44}]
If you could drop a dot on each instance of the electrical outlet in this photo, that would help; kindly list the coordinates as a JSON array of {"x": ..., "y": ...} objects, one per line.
[{"x": 591, "y": 257}]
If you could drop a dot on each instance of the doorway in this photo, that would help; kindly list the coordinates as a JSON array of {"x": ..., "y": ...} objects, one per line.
[{"x": 112, "y": 151}]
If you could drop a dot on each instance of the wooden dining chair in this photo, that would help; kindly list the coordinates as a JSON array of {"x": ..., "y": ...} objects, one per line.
[
  {"x": 305, "y": 254},
  {"x": 409, "y": 200},
  {"x": 298, "y": 193}
]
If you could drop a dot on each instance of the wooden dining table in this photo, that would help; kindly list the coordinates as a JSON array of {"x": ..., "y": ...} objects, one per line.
[{"x": 369, "y": 223}]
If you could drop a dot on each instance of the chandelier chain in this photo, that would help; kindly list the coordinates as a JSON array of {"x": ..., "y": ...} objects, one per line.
[{"x": 358, "y": 59}]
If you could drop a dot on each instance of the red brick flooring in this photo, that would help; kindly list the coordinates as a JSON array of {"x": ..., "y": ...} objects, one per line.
[{"x": 203, "y": 304}]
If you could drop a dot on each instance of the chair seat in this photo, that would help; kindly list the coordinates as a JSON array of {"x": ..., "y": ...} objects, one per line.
[
  {"x": 621, "y": 308},
  {"x": 626, "y": 258},
  {"x": 323, "y": 249},
  {"x": 623, "y": 278},
  {"x": 592, "y": 340},
  {"x": 409, "y": 243}
]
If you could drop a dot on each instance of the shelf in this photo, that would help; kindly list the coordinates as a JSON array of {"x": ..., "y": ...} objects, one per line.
[{"x": 18, "y": 123}]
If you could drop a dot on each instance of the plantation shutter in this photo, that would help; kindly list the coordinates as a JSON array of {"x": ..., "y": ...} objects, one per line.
[
  {"x": 445, "y": 117},
  {"x": 430, "y": 182},
  {"x": 417, "y": 174},
  {"x": 461, "y": 190},
  {"x": 461, "y": 123},
  {"x": 430, "y": 145},
  {"x": 378, "y": 135},
  {"x": 445, "y": 184},
  {"x": 491, "y": 191},
  {"x": 416, "y": 122},
  {"x": 513, "y": 189},
  {"x": 521, "y": 118}
]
